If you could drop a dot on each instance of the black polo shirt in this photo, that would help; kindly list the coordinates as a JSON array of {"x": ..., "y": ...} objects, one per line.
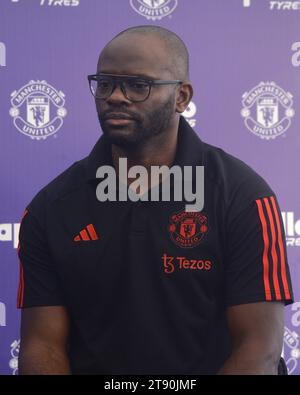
[{"x": 147, "y": 284}]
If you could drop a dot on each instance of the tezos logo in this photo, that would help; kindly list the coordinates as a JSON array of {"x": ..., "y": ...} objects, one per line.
[
  {"x": 154, "y": 9},
  {"x": 38, "y": 109},
  {"x": 267, "y": 110},
  {"x": 170, "y": 263},
  {"x": 190, "y": 113},
  {"x": 187, "y": 228}
]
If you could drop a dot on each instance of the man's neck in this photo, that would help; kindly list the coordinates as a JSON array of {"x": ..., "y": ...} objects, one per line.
[{"x": 158, "y": 151}]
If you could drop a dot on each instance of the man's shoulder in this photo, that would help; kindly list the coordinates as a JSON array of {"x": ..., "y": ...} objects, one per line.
[
  {"x": 70, "y": 180},
  {"x": 235, "y": 179}
]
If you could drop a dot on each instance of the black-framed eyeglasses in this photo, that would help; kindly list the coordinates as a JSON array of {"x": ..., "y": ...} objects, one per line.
[{"x": 134, "y": 88}]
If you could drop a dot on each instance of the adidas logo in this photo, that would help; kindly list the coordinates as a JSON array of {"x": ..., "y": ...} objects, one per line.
[{"x": 86, "y": 234}]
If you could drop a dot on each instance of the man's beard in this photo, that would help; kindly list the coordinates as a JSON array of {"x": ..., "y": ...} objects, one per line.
[{"x": 139, "y": 131}]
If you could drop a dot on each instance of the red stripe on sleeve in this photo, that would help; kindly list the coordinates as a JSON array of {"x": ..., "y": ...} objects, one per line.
[
  {"x": 265, "y": 252},
  {"x": 273, "y": 251},
  {"x": 21, "y": 287},
  {"x": 23, "y": 216},
  {"x": 281, "y": 249}
]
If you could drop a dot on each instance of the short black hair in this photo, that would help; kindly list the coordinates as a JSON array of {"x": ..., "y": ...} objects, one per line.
[{"x": 175, "y": 46}]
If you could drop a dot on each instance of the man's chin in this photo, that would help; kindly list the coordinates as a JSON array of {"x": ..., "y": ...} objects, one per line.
[{"x": 121, "y": 136}]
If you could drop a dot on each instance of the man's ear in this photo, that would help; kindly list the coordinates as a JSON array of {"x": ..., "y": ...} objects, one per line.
[{"x": 184, "y": 96}]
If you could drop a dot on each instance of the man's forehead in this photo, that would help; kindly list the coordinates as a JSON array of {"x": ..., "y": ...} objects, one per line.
[{"x": 134, "y": 55}]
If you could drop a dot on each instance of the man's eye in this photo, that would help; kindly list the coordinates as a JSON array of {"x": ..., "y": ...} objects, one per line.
[
  {"x": 138, "y": 85},
  {"x": 103, "y": 84}
]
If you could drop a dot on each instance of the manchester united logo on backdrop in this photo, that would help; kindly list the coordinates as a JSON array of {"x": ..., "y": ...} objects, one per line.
[
  {"x": 267, "y": 110},
  {"x": 38, "y": 109},
  {"x": 291, "y": 349},
  {"x": 187, "y": 228},
  {"x": 154, "y": 9}
]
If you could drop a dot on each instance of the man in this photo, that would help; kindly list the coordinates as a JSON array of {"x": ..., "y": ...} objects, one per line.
[{"x": 146, "y": 287}]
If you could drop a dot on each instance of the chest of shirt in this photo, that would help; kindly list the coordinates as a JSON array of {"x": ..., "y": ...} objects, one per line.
[{"x": 140, "y": 246}]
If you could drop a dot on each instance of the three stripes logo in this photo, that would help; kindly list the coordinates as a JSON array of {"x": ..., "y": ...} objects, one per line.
[
  {"x": 274, "y": 261},
  {"x": 87, "y": 234}
]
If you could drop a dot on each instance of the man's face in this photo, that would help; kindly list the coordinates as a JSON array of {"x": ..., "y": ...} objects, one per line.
[{"x": 136, "y": 55}]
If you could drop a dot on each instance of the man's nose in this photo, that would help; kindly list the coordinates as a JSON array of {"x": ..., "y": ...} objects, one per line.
[{"x": 117, "y": 95}]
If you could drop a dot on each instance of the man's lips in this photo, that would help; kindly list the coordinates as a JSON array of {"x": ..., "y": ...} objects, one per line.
[
  {"x": 117, "y": 116},
  {"x": 118, "y": 119}
]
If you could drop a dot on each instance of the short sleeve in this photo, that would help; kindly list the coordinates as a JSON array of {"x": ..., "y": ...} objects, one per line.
[
  {"x": 38, "y": 281},
  {"x": 256, "y": 267}
]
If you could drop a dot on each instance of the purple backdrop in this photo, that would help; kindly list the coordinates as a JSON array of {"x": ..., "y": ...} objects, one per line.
[{"x": 245, "y": 58}]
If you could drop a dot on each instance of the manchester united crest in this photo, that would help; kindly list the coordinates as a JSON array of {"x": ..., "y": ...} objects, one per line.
[
  {"x": 267, "y": 110},
  {"x": 38, "y": 109},
  {"x": 187, "y": 229},
  {"x": 154, "y": 9}
]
